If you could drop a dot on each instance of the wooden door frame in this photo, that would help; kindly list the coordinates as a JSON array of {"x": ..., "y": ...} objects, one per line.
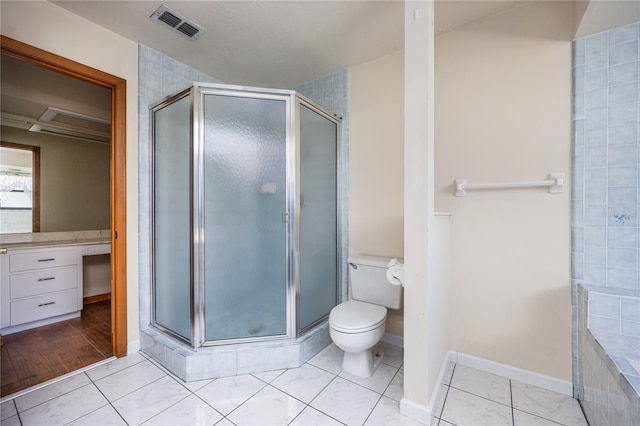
[{"x": 117, "y": 86}]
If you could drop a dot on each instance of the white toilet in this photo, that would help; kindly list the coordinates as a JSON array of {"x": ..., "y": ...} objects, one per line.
[{"x": 357, "y": 326}]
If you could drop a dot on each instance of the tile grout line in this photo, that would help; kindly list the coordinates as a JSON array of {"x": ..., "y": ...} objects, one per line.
[
  {"x": 480, "y": 396},
  {"x": 108, "y": 401},
  {"x": 176, "y": 403},
  {"x": 446, "y": 395},
  {"x": 246, "y": 400},
  {"x": 135, "y": 390},
  {"x": 513, "y": 418},
  {"x": 55, "y": 397},
  {"x": 374, "y": 407}
]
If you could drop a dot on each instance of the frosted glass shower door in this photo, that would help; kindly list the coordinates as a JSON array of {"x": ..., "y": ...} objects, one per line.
[
  {"x": 318, "y": 216},
  {"x": 245, "y": 234},
  {"x": 172, "y": 218}
]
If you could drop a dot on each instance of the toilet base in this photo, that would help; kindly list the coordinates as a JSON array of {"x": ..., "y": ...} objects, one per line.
[{"x": 363, "y": 363}]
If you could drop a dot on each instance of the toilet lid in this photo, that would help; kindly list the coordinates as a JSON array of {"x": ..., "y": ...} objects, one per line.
[{"x": 356, "y": 316}]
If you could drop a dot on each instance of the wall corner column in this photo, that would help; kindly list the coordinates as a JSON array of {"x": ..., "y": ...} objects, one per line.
[{"x": 418, "y": 203}]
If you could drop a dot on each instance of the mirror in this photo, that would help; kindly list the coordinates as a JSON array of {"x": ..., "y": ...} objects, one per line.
[{"x": 66, "y": 123}]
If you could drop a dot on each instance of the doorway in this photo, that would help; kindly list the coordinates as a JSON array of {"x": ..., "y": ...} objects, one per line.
[{"x": 117, "y": 87}]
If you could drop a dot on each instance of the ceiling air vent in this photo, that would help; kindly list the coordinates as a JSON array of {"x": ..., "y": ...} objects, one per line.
[
  {"x": 177, "y": 22},
  {"x": 56, "y": 121}
]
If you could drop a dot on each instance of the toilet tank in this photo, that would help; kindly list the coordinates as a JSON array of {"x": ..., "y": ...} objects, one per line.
[{"x": 369, "y": 282}]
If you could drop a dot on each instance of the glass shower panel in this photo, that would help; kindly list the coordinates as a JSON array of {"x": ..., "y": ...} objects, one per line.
[
  {"x": 172, "y": 218},
  {"x": 318, "y": 216},
  {"x": 245, "y": 268}
]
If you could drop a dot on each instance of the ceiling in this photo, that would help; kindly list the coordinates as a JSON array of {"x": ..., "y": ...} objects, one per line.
[{"x": 279, "y": 44}]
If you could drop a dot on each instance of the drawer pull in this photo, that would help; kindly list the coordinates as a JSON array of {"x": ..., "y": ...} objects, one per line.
[
  {"x": 46, "y": 304},
  {"x": 47, "y": 279},
  {"x": 47, "y": 260}
]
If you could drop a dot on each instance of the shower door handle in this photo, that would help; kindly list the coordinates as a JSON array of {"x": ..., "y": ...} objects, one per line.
[{"x": 285, "y": 217}]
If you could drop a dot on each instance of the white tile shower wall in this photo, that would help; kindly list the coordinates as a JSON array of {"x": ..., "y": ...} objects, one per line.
[
  {"x": 605, "y": 191},
  {"x": 332, "y": 93}
]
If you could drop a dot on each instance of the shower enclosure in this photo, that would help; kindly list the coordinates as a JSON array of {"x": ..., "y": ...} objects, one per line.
[{"x": 246, "y": 236}]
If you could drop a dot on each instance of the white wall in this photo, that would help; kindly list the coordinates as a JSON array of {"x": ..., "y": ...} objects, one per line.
[
  {"x": 376, "y": 162},
  {"x": 503, "y": 113},
  {"x": 49, "y": 27}
]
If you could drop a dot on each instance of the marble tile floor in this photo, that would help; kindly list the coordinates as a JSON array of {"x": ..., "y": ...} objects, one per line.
[{"x": 136, "y": 390}]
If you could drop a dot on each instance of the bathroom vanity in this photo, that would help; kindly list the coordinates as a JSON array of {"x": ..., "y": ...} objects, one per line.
[{"x": 41, "y": 283}]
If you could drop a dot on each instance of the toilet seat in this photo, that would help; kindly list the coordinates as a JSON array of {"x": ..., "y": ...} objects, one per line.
[{"x": 357, "y": 317}]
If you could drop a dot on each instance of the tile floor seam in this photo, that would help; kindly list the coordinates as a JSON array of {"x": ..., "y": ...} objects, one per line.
[
  {"x": 286, "y": 393},
  {"x": 322, "y": 390},
  {"x": 362, "y": 386},
  {"x": 134, "y": 390},
  {"x": 372, "y": 410},
  {"x": 513, "y": 418},
  {"x": 538, "y": 416},
  {"x": 62, "y": 394},
  {"x": 162, "y": 411},
  {"x": 108, "y": 402},
  {"x": 324, "y": 368},
  {"x": 480, "y": 396},
  {"x": 391, "y": 381},
  {"x": 283, "y": 371},
  {"x": 319, "y": 411},
  {"x": 246, "y": 400},
  {"x": 78, "y": 418},
  {"x": 197, "y": 396},
  {"x": 111, "y": 374},
  {"x": 51, "y": 399},
  {"x": 444, "y": 402}
]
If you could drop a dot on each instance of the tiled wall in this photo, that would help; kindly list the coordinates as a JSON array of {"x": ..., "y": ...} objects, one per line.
[
  {"x": 615, "y": 313},
  {"x": 605, "y": 170},
  {"x": 608, "y": 384},
  {"x": 605, "y": 191}
]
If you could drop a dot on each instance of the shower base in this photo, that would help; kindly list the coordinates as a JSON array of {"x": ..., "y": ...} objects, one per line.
[{"x": 191, "y": 364}]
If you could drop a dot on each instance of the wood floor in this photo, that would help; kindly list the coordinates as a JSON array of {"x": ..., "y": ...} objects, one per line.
[{"x": 35, "y": 356}]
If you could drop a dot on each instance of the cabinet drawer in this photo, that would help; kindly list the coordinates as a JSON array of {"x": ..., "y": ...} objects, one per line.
[
  {"x": 42, "y": 282},
  {"x": 97, "y": 249},
  {"x": 43, "y": 259},
  {"x": 36, "y": 308}
]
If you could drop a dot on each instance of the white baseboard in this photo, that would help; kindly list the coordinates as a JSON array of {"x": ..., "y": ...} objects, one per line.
[
  {"x": 415, "y": 411},
  {"x": 525, "y": 376},
  {"x": 133, "y": 347},
  {"x": 435, "y": 395},
  {"x": 393, "y": 339}
]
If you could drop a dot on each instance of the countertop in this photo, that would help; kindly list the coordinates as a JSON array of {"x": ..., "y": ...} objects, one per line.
[{"x": 59, "y": 243}]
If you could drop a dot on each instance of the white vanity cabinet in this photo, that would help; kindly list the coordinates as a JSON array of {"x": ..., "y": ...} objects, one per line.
[{"x": 40, "y": 286}]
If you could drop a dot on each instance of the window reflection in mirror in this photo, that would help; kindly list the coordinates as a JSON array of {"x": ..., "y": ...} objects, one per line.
[{"x": 19, "y": 188}]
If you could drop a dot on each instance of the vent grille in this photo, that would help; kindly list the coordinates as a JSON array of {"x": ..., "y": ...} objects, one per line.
[
  {"x": 72, "y": 124},
  {"x": 169, "y": 19},
  {"x": 72, "y": 120},
  {"x": 177, "y": 22}
]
